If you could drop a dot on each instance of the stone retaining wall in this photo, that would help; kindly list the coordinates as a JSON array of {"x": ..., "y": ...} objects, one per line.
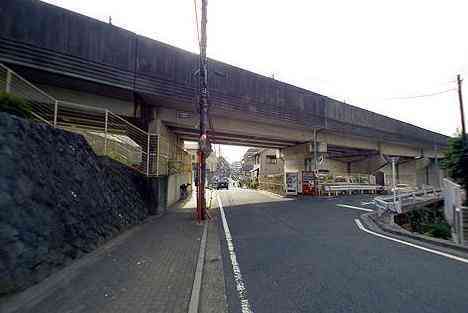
[{"x": 58, "y": 200}]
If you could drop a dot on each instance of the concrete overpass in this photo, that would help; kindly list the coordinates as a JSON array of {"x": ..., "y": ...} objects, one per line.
[{"x": 79, "y": 59}]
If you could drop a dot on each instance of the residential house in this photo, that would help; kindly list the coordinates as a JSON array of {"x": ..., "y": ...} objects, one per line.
[{"x": 267, "y": 163}]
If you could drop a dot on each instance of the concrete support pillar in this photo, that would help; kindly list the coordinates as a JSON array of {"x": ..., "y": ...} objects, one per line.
[
  {"x": 397, "y": 169},
  {"x": 154, "y": 122},
  {"x": 156, "y": 195},
  {"x": 294, "y": 160}
]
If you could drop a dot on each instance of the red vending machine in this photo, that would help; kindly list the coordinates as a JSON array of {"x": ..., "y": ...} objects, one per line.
[{"x": 308, "y": 183}]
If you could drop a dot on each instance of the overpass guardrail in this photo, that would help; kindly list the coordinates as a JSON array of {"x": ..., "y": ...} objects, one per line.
[{"x": 406, "y": 200}]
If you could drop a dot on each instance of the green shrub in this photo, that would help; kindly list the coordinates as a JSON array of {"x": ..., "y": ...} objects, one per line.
[
  {"x": 254, "y": 184},
  {"x": 441, "y": 230},
  {"x": 14, "y": 105},
  {"x": 456, "y": 162}
]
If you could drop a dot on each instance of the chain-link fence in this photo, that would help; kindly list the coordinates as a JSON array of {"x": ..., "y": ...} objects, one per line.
[{"x": 107, "y": 133}]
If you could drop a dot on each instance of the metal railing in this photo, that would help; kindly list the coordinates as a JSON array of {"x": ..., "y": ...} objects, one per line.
[
  {"x": 407, "y": 199},
  {"x": 454, "y": 212},
  {"x": 350, "y": 188},
  {"x": 107, "y": 133}
]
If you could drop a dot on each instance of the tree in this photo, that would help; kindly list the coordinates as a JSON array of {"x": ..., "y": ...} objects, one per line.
[
  {"x": 456, "y": 162},
  {"x": 223, "y": 168}
]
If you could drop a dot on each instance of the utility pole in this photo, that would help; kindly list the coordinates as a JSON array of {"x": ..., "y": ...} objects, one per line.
[
  {"x": 460, "y": 99},
  {"x": 204, "y": 146}
]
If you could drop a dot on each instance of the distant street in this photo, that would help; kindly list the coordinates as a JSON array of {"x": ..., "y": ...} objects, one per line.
[{"x": 310, "y": 256}]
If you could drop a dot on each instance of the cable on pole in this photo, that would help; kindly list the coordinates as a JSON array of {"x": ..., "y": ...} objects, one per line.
[
  {"x": 424, "y": 95},
  {"x": 196, "y": 22}
]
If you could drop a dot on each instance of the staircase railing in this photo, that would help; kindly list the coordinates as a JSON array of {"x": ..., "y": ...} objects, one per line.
[
  {"x": 107, "y": 133},
  {"x": 455, "y": 213}
]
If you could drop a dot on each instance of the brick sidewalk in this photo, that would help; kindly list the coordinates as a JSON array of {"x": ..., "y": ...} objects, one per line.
[{"x": 151, "y": 270}]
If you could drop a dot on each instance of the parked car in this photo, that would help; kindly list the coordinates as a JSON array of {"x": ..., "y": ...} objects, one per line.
[{"x": 223, "y": 184}]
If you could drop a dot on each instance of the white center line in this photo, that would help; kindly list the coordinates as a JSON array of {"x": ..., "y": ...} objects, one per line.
[
  {"x": 450, "y": 256},
  {"x": 240, "y": 285},
  {"x": 354, "y": 207},
  {"x": 367, "y": 203}
]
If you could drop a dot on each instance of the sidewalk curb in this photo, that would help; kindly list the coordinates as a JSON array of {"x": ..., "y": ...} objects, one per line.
[
  {"x": 370, "y": 220},
  {"x": 197, "y": 281}
]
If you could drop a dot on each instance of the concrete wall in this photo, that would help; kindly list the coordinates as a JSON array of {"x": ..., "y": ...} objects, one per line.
[
  {"x": 407, "y": 173},
  {"x": 114, "y": 105},
  {"x": 367, "y": 166},
  {"x": 428, "y": 173},
  {"x": 173, "y": 187},
  {"x": 335, "y": 167}
]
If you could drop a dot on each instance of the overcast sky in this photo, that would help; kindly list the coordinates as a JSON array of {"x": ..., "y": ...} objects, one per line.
[{"x": 364, "y": 52}]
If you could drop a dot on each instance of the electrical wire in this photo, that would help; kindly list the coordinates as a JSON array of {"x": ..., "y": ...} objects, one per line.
[
  {"x": 423, "y": 96},
  {"x": 196, "y": 21}
]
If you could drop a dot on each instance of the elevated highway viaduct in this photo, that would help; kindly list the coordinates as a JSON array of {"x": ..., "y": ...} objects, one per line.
[{"x": 154, "y": 85}]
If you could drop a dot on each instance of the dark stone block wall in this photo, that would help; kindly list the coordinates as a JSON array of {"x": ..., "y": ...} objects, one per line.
[{"x": 58, "y": 200}]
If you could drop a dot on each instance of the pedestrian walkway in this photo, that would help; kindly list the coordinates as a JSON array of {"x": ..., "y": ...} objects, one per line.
[
  {"x": 190, "y": 204},
  {"x": 149, "y": 269}
]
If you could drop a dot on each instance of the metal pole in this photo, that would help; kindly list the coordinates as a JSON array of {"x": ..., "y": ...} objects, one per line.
[
  {"x": 315, "y": 149},
  {"x": 105, "y": 132},
  {"x": 204, "y": 145},
  {"x": 460, "y": 100},
  {"x": 157, "y": 157},
  {"x": 436, "y": 148},
  {"x": 8, "y": 82},
  {"x": 148, "y": 156},
  {"x": 55, "y": 113},
  {"x": 393, "y": 183}
]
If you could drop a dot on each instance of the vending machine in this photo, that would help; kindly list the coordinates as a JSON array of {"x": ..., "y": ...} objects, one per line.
[
  {"x": 308, "y": 183},
  {"x": 291, "y": 183}
]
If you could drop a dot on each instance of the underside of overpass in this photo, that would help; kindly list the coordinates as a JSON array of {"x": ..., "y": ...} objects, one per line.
[{"x": 217, "y": 137}]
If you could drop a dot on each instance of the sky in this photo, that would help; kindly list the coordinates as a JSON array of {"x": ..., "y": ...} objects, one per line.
[{"x": 371, "y": 54}]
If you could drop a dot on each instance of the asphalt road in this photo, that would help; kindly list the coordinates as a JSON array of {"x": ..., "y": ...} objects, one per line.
[{"x": 309, "y": 256}]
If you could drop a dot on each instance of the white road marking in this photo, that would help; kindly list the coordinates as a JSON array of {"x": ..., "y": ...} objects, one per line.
[
  {"x": 367, "y": 203},
  {"x": 450, "y": 256},
  {"x": 354, "y": 207},
  {"x": 240, "y": 285}
]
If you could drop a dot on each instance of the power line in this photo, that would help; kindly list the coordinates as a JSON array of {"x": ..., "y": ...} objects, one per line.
[
  {"x": 423, "y": 96},
  {"x": 196, "y": 20}
]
